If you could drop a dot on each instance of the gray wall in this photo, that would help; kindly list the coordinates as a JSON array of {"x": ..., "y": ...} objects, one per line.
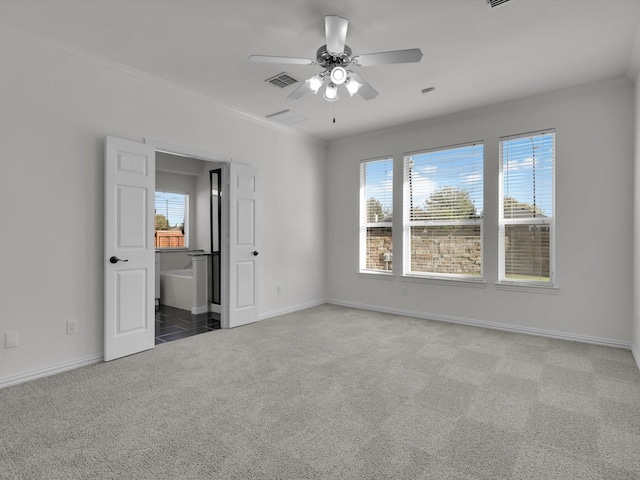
[
  {"x": 58, "y": 106},
  {"x": 594, "y": 216}
]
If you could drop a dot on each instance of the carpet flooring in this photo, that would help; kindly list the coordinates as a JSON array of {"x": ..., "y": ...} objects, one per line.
[{"x": 333, "y": 393}]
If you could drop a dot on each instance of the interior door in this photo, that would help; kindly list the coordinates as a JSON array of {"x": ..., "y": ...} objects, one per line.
[
  {"x": 243, "y": 245},
  {"x": 129, "y": 285}
]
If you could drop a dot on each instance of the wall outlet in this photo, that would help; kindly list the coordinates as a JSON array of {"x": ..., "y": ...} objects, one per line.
[
  {"x": 405, "y": 290},
  {"x": 72, "y": 326},
  {"x": 10, "y": 339},
  {"x": 279, "y": 288}
]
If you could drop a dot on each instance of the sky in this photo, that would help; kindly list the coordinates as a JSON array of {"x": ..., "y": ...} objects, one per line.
[
  {"x": 171, "y": 205},
  {"x": 462, "y": 167},
  {"x": 459, "y": 167},
  {"x": 528, "y": 162},
  {"x": 379, "y": 182}
]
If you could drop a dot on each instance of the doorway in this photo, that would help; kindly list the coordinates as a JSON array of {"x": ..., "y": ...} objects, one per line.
[
  {"x": 193, "y": 224},
  {"x": 129, "y": 249}
]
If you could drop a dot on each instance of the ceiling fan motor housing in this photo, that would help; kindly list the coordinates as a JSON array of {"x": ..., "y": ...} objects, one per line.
[{"x": 329, "y": 60}]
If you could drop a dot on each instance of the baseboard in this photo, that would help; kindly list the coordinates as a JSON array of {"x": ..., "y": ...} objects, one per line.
[
  {"x": 51, "y": 370},
  {"x": 494, "y": 326},
  {"x": 291, "y": 309},
  {"x": 199, "y": 310},
  {"x": 97, "y": 358}
]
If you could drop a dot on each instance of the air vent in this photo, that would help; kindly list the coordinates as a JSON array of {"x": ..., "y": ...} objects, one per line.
[
  {"x": 287, "y": 117},
  {"x": 281, "y": 80},
  {"x": 495, "y": 3}
]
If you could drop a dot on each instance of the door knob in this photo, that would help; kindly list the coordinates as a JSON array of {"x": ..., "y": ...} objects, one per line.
[
  {"x": 255, "y": 253},
  {"x": 116, "y": 260}
]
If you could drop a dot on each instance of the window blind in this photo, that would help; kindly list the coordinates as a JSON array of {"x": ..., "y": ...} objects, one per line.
[
  {"x": 527, "y": 164},
  {"x": 171, "y": 219},
  {"x": 443, "y": 220},
  {"x": 376, "y": 215}
]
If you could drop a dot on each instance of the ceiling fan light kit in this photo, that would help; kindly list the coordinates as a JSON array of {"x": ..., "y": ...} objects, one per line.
[
  {"x": 338, "y": 75},
  {"x": 331, "y": 93},
  {"x": 314, "y": 83},
  {"x": 352, "y": 86},
  {"x": 335, "y": 57}
]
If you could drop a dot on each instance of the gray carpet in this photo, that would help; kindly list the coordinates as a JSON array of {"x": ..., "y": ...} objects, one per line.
[{"x": 334, "y": 393}]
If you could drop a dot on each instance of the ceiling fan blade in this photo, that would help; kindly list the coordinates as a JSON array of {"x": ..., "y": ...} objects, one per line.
[
  {"x": 384, "y": 58},
  {"x": 336, "y": 32},
  {"x": 366, "y": 91},
  {"x": 270, "y": 59},
  {"x": 298, "y": 92}
]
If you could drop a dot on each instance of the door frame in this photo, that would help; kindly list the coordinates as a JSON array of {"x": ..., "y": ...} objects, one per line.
[{"x": 218, "y": 160}]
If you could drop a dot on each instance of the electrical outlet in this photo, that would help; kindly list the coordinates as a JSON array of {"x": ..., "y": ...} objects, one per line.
[
  {"x": 10, "y": 339},
  {"x": 405, "y": 290},
  {"x": 279, "y": 288},
  {"x": 72, "y": 326}
]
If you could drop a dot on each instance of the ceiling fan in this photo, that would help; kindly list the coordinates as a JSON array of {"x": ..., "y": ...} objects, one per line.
[{"x": 337, "y": 59}]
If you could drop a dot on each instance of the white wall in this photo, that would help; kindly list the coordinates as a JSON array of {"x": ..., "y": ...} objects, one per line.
[
  {"x": 594, "y": 215},
  {"x": 57, "y": 106},
  {"x": 202, "y": 219}
]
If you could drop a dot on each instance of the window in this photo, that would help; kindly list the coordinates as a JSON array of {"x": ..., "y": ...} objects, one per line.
[
  {"x": 527, "y": 208},
  {"x": 443, "y": 205},
  {"x": 171, "y": 219},
  {"x": 376, "y": 211}
]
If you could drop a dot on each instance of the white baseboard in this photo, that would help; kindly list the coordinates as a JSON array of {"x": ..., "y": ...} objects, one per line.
[
  {"x": 291, "y": 309},
  {"x": 97, "y": 358},
  {"x": 199, "y": 310},
  {"x": 494, "y": 326},
  {"x": 51, "y": 370}
]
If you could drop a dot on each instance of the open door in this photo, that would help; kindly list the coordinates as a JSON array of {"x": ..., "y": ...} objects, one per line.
[
  {"x": 129, "y": 285},
  {"x": 243, "y": 245}
]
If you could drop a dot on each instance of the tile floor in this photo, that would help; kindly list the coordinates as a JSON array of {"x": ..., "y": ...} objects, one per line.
[{"x": 174, "y": 323}]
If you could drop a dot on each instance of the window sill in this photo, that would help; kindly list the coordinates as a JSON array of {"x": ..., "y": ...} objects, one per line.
[
  {"x": 523, "y": 287},
  {"x": 450, "y": 282},
  {"x": 377, "y": 275}
]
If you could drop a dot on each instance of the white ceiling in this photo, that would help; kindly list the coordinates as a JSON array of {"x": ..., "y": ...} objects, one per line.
[{"x": 473, "y": 55}]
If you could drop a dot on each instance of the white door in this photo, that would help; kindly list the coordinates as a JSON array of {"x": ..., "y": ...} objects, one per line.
[
  {"x": 129, "y": 284},
  {"x": 243, "y": 246}
]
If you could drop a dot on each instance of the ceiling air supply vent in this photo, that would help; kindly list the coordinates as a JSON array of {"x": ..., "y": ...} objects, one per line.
[
  {"x": 281, "y": 80},
  {"x": 495, "y": 3},
  {"x": 287, "y": 117}
]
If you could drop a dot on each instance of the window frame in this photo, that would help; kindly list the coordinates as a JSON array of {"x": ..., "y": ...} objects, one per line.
[
  {"x": 526, "y": 284},
  {"x": 364, "y": 225},
  {"x": 407, "y": 224}
]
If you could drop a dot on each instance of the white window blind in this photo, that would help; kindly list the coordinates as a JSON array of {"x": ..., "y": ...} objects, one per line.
[
  {"x": 443, "y": 199},
  {"x": 171, "y": 219},
  {"x": 527, "y": 197},
  {"x": 376, "y": 214}
]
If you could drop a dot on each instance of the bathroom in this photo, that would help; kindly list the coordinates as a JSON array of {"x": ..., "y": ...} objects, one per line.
[{"x": 187, "y": 266}]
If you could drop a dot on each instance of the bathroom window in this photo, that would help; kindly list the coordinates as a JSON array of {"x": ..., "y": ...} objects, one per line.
[{"x": 171, "y": 219}]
